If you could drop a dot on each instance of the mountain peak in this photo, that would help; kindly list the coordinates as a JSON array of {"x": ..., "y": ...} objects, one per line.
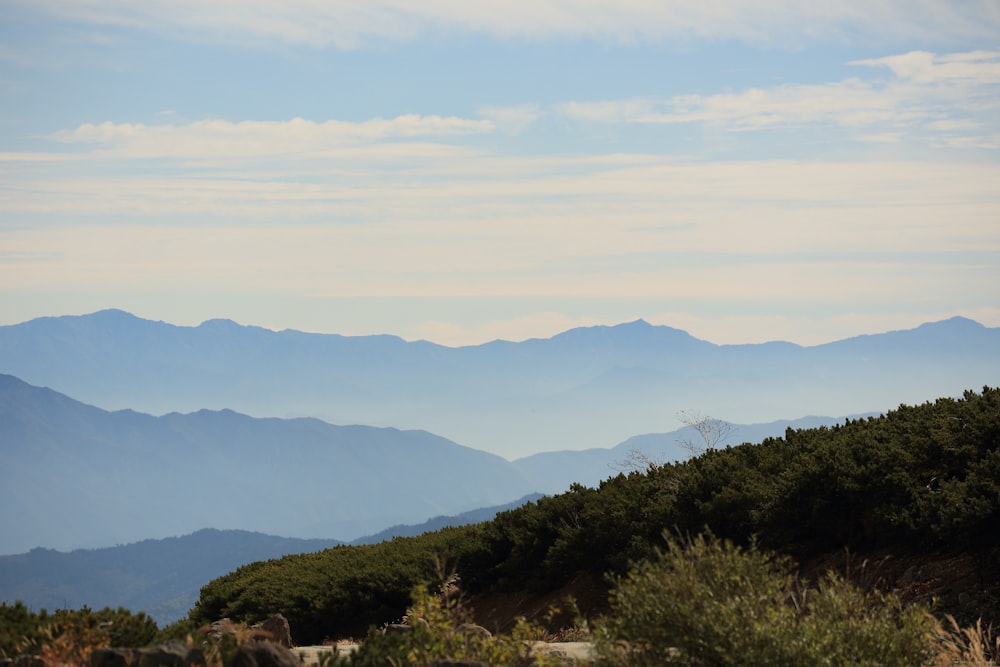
[
  {"x": 957, "y": 323},
  {"x": 220, "y": 323}
]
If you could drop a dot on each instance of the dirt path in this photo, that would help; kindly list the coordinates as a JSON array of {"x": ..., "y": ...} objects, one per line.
[{"x": 311, "y": 655}]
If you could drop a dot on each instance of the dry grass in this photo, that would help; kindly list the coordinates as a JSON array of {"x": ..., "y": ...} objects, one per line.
[{"x": 973, "y": 646}]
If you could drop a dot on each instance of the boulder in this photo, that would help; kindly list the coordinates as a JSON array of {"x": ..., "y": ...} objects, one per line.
[
  {"x": 114, "y": 657},
  {"x": 173, "y": 653},
  {"x": 170, "y": 654},
  {"x": 276, "y": 630},
  {"x": 264, "y": 654}
]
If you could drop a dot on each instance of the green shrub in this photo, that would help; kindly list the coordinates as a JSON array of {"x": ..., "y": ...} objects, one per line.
[
  {"x": 441, "y": 628},
  {"x": 708, "y": 602},
  {"x": 67, "y": 636}
]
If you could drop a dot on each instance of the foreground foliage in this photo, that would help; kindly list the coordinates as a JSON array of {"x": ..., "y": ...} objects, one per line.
[
  {"x": 68, "y": 636},
  {"x": 707, "y": 602},
  {"x": 440, "y": 627}
]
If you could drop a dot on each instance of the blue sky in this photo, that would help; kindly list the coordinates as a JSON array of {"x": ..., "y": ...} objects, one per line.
[{"x": 460, "y": 172}]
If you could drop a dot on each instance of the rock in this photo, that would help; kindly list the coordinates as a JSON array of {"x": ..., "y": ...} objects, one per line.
[
  {"x": 170, "y": 654},
  {"x": 277, "y": 630},
  {"x": 264, "y": 654},
  {"x": 173, "y": 653},
  {"x": 222, "y": 627},
  {"x": 114, "y": 657},
  {"x": 403, "y": 628},
  {"x": 468, "y": 630}
]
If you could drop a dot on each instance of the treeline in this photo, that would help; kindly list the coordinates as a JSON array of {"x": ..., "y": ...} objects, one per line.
[{"x": 916, "y": 479}]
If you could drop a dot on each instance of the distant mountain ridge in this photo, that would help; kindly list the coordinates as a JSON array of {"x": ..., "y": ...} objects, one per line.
[
  {"x": 584, "y": 388},
  {"x": 439, "y": 522},
  {"x": 79, "y": 476},
  {"x": 75, "y": 475},
  {"x": 160, "y": 577},
  {"x": 554, "y": 472}
]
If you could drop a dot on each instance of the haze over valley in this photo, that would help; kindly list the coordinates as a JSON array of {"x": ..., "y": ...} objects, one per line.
[{"x": 138, "y": 429}]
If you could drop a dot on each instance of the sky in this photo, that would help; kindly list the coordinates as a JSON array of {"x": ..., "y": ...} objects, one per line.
[{"x": 464, "y": 171}]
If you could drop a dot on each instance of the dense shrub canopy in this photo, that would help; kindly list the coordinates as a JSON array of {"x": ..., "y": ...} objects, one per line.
[{"x": 919, "y": 478}]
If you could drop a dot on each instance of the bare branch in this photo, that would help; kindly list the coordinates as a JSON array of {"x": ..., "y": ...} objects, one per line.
[
  {"x": 636, "y": 461},
  {"x": 711, "y": 431}
]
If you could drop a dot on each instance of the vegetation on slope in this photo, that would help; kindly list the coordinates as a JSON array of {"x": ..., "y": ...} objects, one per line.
[
  {"x": 918, "y": 479},
  {"x": 67, "y": 636}
]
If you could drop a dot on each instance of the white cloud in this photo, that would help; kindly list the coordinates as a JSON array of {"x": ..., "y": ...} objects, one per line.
[
  {"x": 848, "y": 103},
  {"x": 924, "y": 67},
  {"x": 223, "y": 138},
  {"x": 927, "y": 96},
  {"x": 512, "y": 119},
  {"x": 354, "y": 23}
]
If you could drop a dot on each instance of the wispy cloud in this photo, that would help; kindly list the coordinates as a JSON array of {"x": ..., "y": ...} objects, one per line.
[
  {"x": 355, "y": 23},
  {"x": 928, "y": 68},
  {"x": 223, "y": 138},
  {"x": 512, "y": 119},
  {"x": 952, "y": 93}
]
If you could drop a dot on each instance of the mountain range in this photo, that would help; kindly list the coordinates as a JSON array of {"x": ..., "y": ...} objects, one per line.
[
  {"x": 586, "y": 388},
  {"x": 162, "y": 577},
  {"x": 159, "y": 577},
  {"x": 75, "y": 475}
]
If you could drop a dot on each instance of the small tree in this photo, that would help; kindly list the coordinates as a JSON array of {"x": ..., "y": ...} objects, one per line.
[{"x": 711, "y": 431}]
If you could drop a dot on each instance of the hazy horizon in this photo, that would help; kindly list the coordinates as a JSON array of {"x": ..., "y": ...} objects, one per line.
[
  {"x": 459, "y": 172},
  {"x": 483, "y": 342}
]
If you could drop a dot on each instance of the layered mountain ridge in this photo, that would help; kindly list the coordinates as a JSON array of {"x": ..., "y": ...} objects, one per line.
[{"x": 585, "y": 388}]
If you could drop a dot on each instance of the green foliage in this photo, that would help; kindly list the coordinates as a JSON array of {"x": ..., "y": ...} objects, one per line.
[
  {"x": 917, "y": 478},
  {"x": 178, "y": 630},
  {"x": 708, "y": 602},
  {"x": 441, "y": 628},
  {"x": 339, "y": 592},
  {"x": 19, "y": 627},
  {"x": 75, "y": 632}
]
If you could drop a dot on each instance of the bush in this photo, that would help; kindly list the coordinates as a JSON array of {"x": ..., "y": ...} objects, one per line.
[
  {"x": 68, "y": 636},
  {"x": 441, "y": 628},
  {"x": 708, "y": 602}
]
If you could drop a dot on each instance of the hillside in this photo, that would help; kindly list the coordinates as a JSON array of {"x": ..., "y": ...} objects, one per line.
[
  {"x": 162, "y": 577},
  {"x": 159, "y": 577},
  {"x": 916, "y": 491},
  {"x": 585, "y": 388},
  {"x": 120, "y": 477}
]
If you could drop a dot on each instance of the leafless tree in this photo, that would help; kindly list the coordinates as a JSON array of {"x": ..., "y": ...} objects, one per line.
[
  {"x": 636, "y": 461},
  {"x": 710, "y": 430}
]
